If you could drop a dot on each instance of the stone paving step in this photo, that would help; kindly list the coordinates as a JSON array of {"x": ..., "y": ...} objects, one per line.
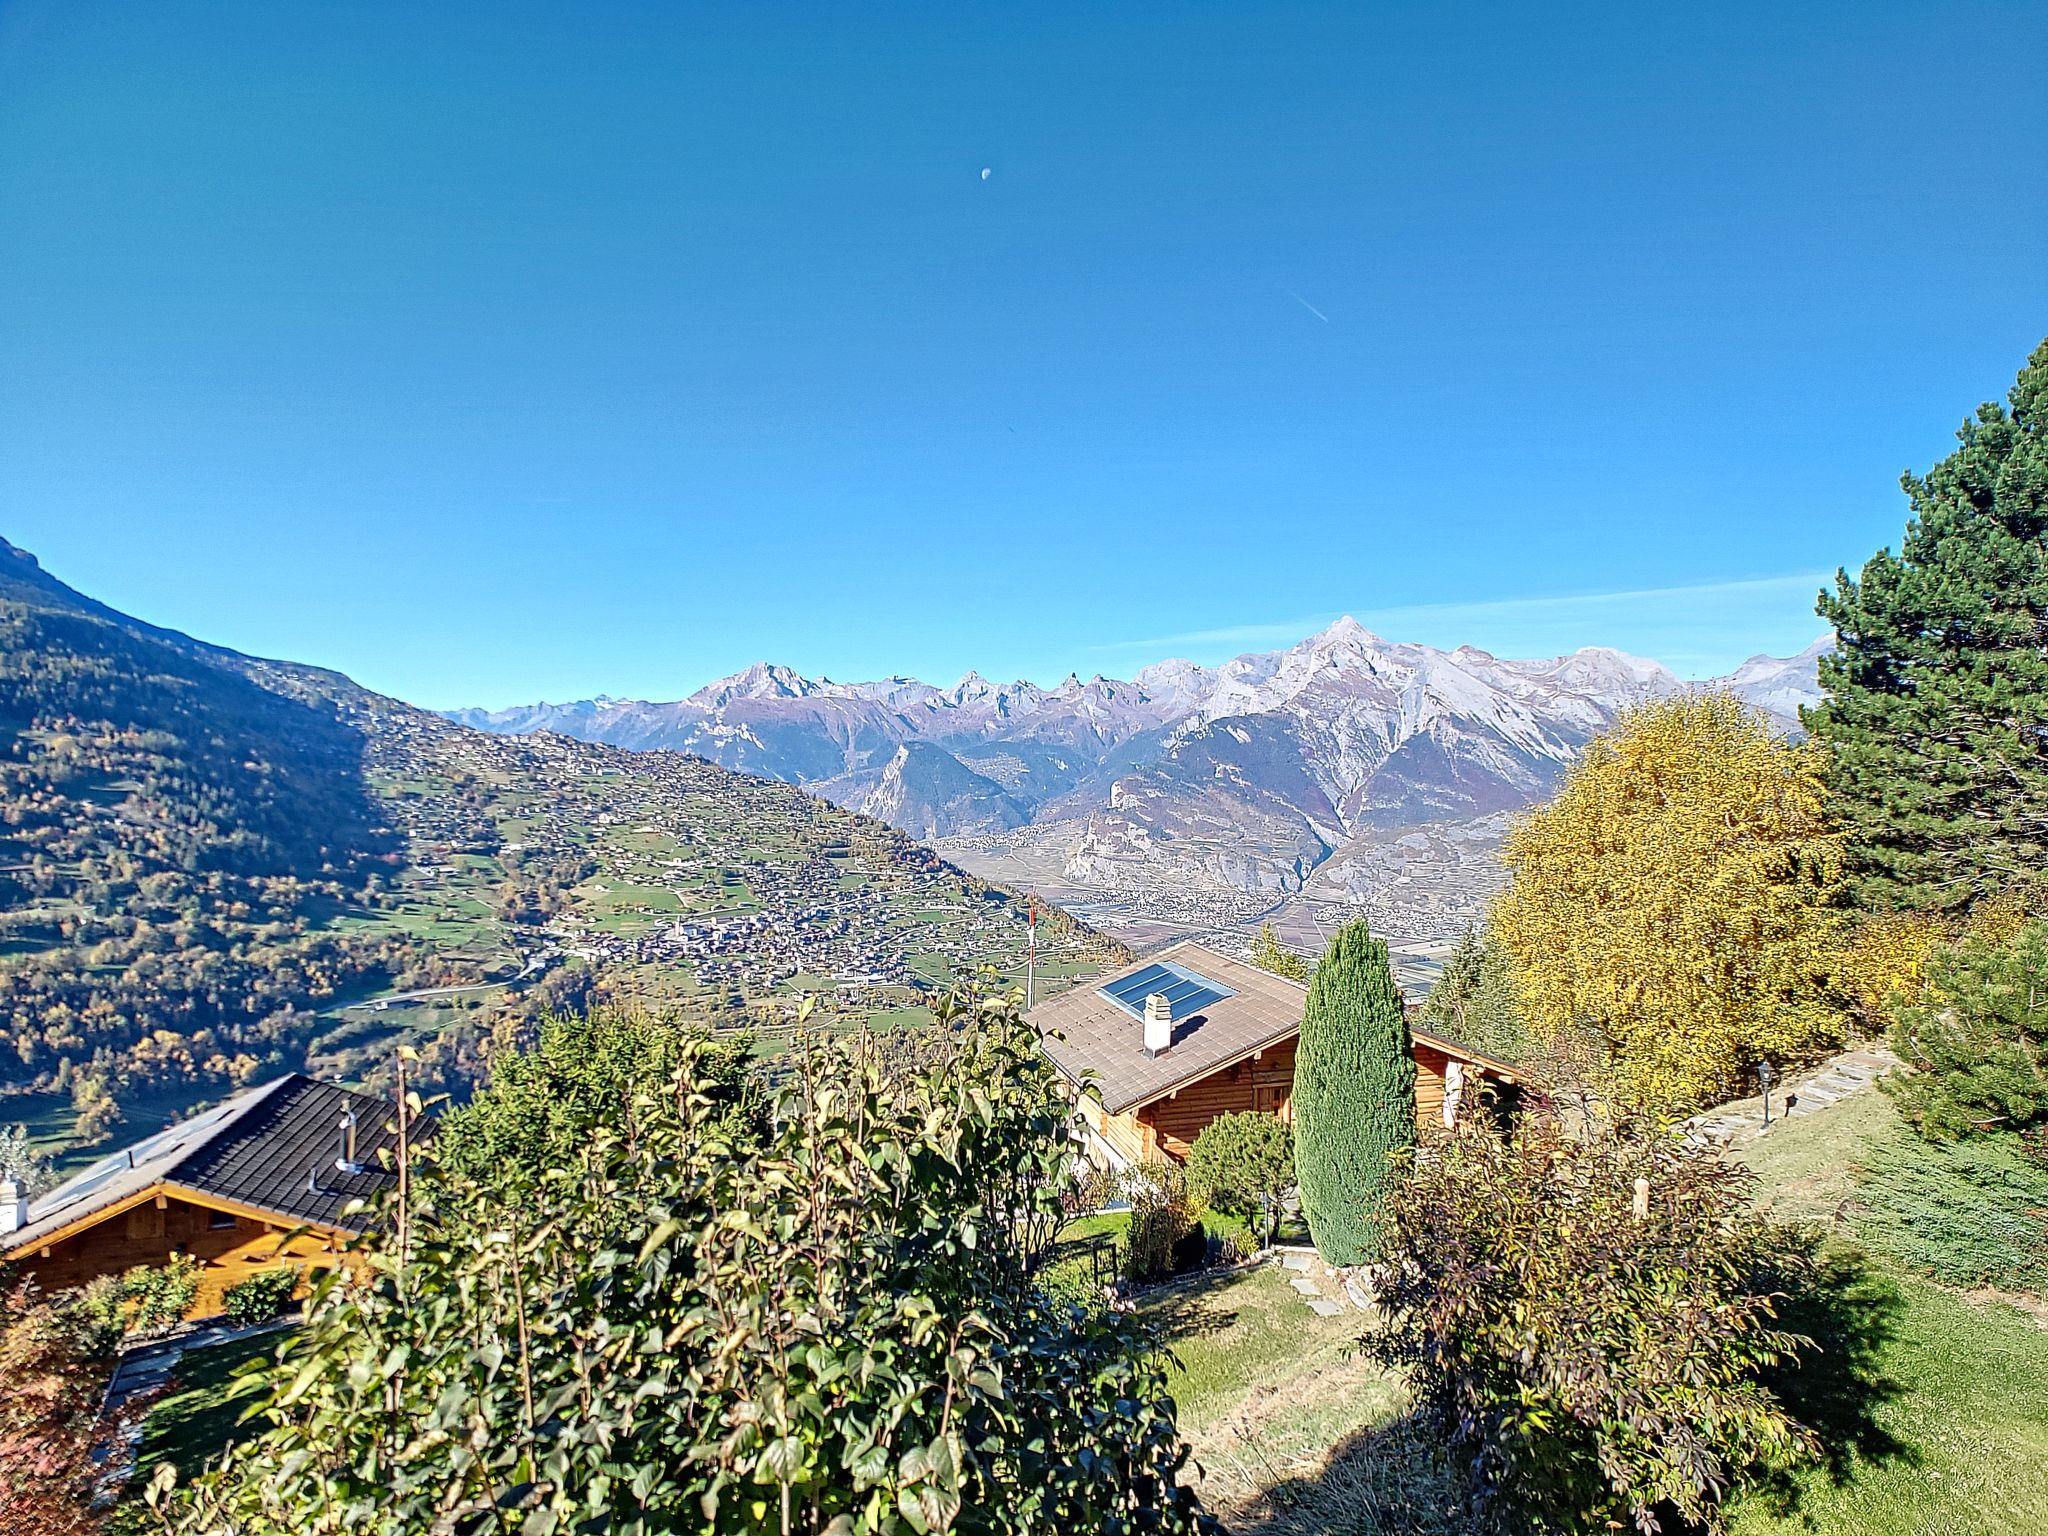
[{"x": 1323, "y": 1308}]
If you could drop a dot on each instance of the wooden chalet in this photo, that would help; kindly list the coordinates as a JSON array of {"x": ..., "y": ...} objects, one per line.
[
  {"x": 1164, "y": 1045},
  {"x": 263, "y": 1179}
]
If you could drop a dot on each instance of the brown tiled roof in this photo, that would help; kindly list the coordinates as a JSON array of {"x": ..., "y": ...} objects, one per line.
[{"x": 1084, "y": 1032}]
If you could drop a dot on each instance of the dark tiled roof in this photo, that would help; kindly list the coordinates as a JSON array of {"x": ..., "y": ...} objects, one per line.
[
  {"x": 1085, "y": 1032},
  {"x": 272, "y": 1148}
]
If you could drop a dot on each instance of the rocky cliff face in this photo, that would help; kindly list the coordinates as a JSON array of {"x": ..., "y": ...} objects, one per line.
[{"x": 1251, "y": 776}]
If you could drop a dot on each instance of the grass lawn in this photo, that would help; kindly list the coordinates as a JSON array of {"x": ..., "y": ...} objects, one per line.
[
  {"x": 1265, "y": 1388},
  {"x": 1935, "y": 1405},
  {"x": 195, "y": 1420}
]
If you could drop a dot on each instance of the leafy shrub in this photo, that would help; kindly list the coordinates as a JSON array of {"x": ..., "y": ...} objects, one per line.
[
  {"x": 1585, "y": 1364},
  {"x": 1071, "y": 1283},
  {"x": 1244, "y": 1164},
  {"x": 1354, "y": 1095},
  {"x": 54, "y": 1365},
  {"x": 1165, "y": 1234},
  {"x": 261, "y": 1297},
  {"x": 831, "y": 1322},
  {"x": 159, "y": 1297},
  {"x": 1977, "y": 1037},
  {"x": 1971, "y": 1212}
]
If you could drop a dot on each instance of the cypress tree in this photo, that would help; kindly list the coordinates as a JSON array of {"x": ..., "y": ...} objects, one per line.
[
  {"x": 1937, "y": 709},
  {"x": 1354, "y": 1095}
]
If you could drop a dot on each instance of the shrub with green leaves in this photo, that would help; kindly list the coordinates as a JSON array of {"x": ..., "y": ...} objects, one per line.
[
  {"x": 1585, "y": 1364},
  {"x": 1243, "y": 1164},
  {"x": 584, "y": 1070},
  {"x": 1354, "y": 1095},
  {"x": 1977, "y": 1037},
  {"x": 159, "y": 1297},
  {"x": 830, "y": 1323},
  {"x": 261, "y": 1297}
]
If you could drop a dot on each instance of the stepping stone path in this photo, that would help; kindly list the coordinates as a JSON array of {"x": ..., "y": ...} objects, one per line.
[{"x": 1834, "y": 1080}]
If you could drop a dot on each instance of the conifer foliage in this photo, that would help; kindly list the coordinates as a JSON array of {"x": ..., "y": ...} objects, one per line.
[
  {"x": 1354, "y": 1096},
  {"x": 1937, "y": 709}
]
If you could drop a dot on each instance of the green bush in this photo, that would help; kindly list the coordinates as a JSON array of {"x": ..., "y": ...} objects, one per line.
[
  {"x": 830, "y": 1321},
  {"x": 159, "y": 1298},
  {"x": 1244, "y": 1164},
  {"x": 261, "y": 1297},
  {"x": 1354, "y": 1095},
  {"x": 1591, "y": 1368}
]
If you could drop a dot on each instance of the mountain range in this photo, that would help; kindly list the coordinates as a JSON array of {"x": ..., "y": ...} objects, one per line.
[{"x": 1246, "y": 777}]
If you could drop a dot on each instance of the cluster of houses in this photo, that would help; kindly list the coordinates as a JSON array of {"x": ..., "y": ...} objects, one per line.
[{"x": 286, "y": 1173}]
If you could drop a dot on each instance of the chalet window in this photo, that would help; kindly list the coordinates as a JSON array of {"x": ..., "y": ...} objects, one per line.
[{"x": 219, "y": 1221}]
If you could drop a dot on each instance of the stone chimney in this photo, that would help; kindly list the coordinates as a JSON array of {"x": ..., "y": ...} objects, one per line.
[
  {"x": 1158, "y": 1024},
  {"x": 13, "y": 1205}
]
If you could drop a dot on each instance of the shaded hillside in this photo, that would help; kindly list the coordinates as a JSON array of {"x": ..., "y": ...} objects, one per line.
[{"x": 174, "y": 835}]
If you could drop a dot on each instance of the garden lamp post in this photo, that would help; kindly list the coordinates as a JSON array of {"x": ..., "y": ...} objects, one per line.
[{"x": 1763, "y": 1077}]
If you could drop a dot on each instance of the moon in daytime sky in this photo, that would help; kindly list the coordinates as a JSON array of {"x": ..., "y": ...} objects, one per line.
[{"x": 986, "y": 173}]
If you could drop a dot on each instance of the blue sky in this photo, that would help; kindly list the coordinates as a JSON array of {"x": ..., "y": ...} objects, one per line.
[{"x": 499, "y": 352}]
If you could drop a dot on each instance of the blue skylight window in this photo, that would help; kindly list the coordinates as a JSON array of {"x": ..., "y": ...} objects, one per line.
[{"x": 1187, "y": 992}]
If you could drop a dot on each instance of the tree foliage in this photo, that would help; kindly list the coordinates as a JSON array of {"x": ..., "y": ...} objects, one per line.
[
  {"x": 1268, "y": 954},
  {"x": 22, "y": 1161},
  {"x": 1977, "y": 1037},
  {"x": 1936, "y": 718},
  {"x": 584, "y": 1070},
  {"x": 1678, "y": 899},
  {"x": 1243, "y": 1164},
  {"x": 832, "y": 1326},
  {"x": 1477, "y": 1002},
  {"x": 1354, "y": 1095},
  {"x": 1589, "y": 1365}
]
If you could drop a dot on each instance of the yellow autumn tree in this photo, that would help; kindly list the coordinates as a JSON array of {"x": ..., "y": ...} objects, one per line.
[{"x": 1677, "y": 901}]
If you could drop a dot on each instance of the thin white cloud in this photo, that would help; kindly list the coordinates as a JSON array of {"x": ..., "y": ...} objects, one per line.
[
  {"x": 1691, "y": 627},
  {"x": 1582, "y": 602}
]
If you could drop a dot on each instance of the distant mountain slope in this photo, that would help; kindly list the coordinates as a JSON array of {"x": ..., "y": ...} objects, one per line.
[
  {"x": 1248, "y": 776},
  {"x": 213, "y": 865}
]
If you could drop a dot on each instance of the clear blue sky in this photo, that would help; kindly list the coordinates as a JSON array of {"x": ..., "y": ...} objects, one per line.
[{"x": 504, "y": 351}]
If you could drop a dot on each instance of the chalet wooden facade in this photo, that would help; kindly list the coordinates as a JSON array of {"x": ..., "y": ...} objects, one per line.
[
  {"x": 267, "y": 1178},
  {"x": 1223, "y": 1042}
]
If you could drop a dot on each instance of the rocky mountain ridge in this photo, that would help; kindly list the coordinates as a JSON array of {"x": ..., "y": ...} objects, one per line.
[{"x": 1248, "y": 776}]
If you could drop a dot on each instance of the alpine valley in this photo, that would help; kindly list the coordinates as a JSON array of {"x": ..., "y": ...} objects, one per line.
[
  {"x": 1347, "y": 771},
  {"x": 214, "y": 867}
]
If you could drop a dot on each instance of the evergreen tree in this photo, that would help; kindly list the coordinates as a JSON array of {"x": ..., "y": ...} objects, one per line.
[
  {"x": 1937, "y": 708},
  {"x": 1978, "y": 1039},
  {"x": 1268, "y": 955},
  {"x": 1354, "y": 1095},
  {"x": 1476, "y": 1001}
]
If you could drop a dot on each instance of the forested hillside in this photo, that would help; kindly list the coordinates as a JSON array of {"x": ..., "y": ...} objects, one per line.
[
  {"x": 215, "y": 867},
  {"x": 176, "y": 837}
]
